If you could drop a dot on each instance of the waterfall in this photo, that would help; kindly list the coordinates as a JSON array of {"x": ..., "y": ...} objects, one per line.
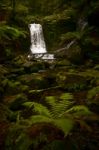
[
  {"x": 37, "y": 39},
  {"x": 38, "y": 46}
]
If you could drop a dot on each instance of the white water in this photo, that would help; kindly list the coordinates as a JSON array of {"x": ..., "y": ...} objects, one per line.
[
  {"x": 37, "y": 39},
  {"x": 38, "y": 46}
]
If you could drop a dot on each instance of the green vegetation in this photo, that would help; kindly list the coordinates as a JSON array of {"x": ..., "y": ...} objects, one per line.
[{"x": 50, "y": 105}]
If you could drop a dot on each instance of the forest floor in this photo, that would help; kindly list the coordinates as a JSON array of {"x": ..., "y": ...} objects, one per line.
[{"x": 32, "y": 81}]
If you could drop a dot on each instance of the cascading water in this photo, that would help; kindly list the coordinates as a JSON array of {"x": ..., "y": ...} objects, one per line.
[
  {"x": 37, "y": 40},
  {"x": 38, "y": 46}
]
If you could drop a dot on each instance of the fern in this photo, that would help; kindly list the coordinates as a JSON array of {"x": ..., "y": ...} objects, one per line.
[
  {"x": 79, "y": 110},
  {"x": 58, "y": 107},
  {"x": 65, "y": 124},
  {"x": 53, "y": 115},
  {"x": 8, "y": 33},
  {"x": 40, "y": 118},
  {"x": 61, "y": 112},
  {"x": 38, "y": 108},
  {"x": 93, "y": 95}
]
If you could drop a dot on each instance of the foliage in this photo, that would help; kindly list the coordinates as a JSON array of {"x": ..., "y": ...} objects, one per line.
[
  {"x": 39, "y": 108},
  {"x": 70, "y": 36},
  {"x": 54, "y": 115},
  {"x": 10, "y": 33},
  {"x": 17, "y": 138},
  {"x": 93, "y": 95},
  {"x": 5, "y": 113},
  {"x": 79, "y": 110},
  {"x": 93, "y": 92},
  {"x": 60, "y": 112}
]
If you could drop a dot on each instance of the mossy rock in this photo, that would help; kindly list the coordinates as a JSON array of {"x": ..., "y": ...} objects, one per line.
[
  {"x": 5, "y": 113},
  {"x": 71, "y": 82},
  {"x": 19, "y": 60},
  {"x": 15, "y": 102},
  {"x": 74, "y": 54},
  {"x": 62, "y": 62},
  {"x": 93, "y": 95},
  {"x": 17, "y": 71},
  {"x": 13, "y": 87},
  {"x": 4, "y": 70},
  {"x": 33, "y": 67},
  {"x": 17, "y": 133},
  {"x": 35, "y": 80},
  {"x": 26, "y": 137},
  {"x": 93, "y": 99}
]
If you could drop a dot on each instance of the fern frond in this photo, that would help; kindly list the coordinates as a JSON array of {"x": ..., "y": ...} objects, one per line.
[
  {"x": 66, "y": 96},
  {"x": 64, "y": 124},
  {"x": 79, "y": 110},
  {"x": 51, "y": 100},
  {"x": 59, "y": 107},
  {"x": 8, "y": 32},
  {"x": 38, "y": 108},
  {"x": 40, "y": 118},
  {"x": 28, "y": 104}
]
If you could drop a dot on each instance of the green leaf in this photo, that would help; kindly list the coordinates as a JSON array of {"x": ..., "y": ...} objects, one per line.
[
  {"x": 51, "y": 100},
  {"x": 7, "y": 32},
  {"x": 79, "y": 110},
  {"x": 28, "y": 104},
  {"x": 66, "y": 96},
  {"x": 40, "y": 118},
  {"x": 64, "y": 124},
  {"x": 38, "y": 108}
]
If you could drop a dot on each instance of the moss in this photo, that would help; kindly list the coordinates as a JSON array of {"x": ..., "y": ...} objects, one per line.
[
  {"x": 71, "y": 82},
  {"x": 93, "y": 95},
  {"x": 16, "y": 102},
  {"x": 17, "y": 138},
  {"x": 35, "y": 81}
]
